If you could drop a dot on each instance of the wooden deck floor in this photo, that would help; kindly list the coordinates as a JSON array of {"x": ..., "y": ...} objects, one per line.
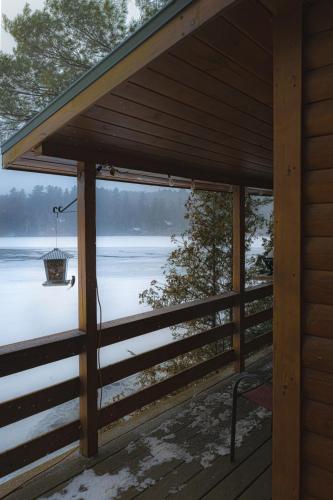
[{"x": 181, "y": 453}]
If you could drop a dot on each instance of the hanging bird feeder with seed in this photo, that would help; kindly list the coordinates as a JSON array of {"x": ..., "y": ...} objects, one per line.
[{"x": 55, "y": 263}]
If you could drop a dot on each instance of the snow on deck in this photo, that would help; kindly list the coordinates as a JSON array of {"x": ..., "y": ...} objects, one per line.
[{"x": 167, "y": 456}]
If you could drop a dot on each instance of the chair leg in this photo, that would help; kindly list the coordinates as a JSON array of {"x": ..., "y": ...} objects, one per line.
[{"x": 233, "y": 422}]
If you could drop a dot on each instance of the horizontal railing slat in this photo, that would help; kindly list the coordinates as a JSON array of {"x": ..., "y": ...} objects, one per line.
[
  {"x": 28, "y": 354},
  {"x": 140, "y": 399},
  {"x": 258, "y": 292},
  {"x": 133, "y": 326},
  {"x": 30, "y": 404},
  {"x": 129, "y": 366},
  {"x": 38, "y": 401},
  {"x": 22, "y": 356},
  {"x": 258, "y": 342},
  {"x": 29, "y": 452},
  {"x": 259, "y": 317}
]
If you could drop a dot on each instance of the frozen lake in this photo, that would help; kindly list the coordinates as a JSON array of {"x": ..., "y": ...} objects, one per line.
[{"x": 125, "y": 266}]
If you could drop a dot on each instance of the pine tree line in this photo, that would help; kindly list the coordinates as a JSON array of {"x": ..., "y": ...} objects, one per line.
[{"x": 119, "y": 212}]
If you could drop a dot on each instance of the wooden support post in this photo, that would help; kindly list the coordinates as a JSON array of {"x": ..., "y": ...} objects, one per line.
[
  {"x": 287, "y": 251},
  {"x": 86, "y": 208},
  {"x": 238, "y": 272}
]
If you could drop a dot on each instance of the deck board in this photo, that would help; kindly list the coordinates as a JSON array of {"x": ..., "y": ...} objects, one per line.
[
  {"x": 241, "y": 477},
  {"x": 183, "y": 452},
  {"x": 261, "y": 488},
  {"x": 207, "y": 479}
]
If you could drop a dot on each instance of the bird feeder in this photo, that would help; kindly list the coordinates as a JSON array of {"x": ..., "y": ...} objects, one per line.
[
  {"x": 265, "y": 263},
  {"x": 55, "y": 263}
]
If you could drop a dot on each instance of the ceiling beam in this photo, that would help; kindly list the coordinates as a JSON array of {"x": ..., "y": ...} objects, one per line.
[
  {"x": 32, "y": 162},
  {"x": 155, "y": 164}
]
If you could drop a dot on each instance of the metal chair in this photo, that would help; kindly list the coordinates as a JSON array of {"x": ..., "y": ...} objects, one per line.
[{"x": 261, "y": 394}]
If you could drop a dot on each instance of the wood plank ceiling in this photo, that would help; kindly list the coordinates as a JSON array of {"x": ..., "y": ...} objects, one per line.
[{"x": 201, "y": 110}]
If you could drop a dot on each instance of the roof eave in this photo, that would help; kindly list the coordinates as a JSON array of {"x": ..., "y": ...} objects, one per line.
[
  {"x": 44, "y": 124},
  {"x": 119, "y": 53}
]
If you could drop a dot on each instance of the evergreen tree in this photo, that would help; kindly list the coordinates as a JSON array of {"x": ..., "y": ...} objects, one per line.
[
  {"x": 200, "y": 266},
  {"x": 54, "y": 46},
  {"x": 147, "y": 8},
  {"x": 268, "y": 241}
]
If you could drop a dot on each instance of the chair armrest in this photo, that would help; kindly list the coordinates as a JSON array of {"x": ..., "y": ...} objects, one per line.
[{"x": 248, "y": 376}]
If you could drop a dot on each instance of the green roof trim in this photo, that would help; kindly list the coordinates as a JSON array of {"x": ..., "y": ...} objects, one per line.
[{"x": 93, "y": 74}]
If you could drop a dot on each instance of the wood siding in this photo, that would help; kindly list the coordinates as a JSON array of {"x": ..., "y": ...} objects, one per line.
[{"x": 317, "y": 327}]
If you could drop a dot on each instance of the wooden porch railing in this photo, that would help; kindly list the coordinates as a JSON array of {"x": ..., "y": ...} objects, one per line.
[{"x": 22, "y": 356}]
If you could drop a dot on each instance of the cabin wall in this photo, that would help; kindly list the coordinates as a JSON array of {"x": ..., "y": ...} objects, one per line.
[{"x": 317, "y": 259}]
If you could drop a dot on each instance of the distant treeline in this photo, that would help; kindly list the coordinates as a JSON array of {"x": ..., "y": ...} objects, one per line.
[{"x": 119, "y": 212}]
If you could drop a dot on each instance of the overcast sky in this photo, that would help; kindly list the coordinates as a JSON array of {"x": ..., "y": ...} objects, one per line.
[{"x": 20, "y": 180}]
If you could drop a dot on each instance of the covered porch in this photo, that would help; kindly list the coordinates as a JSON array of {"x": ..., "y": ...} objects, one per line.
[{"x": 188, "y": 101}]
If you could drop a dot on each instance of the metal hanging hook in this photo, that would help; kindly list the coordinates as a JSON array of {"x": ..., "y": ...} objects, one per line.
[{"x": 60, "y": 210}]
